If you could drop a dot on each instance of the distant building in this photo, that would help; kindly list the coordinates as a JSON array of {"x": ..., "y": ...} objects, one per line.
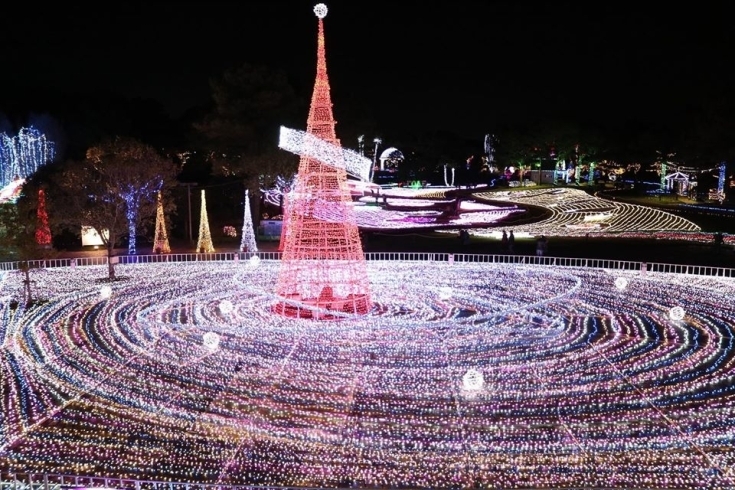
[{"x": 390, "y": 159}]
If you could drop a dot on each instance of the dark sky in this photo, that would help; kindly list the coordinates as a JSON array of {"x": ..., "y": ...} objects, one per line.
[{"x": 458, "y": 65}]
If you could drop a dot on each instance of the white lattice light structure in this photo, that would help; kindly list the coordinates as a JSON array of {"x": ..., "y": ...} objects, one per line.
[{"x": 311, "y": 146}]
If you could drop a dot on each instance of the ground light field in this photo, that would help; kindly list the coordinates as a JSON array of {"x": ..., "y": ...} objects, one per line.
[{"x": 463, "y": 374}]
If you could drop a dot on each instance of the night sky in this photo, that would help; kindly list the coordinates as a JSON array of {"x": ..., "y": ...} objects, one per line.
[{"x": 461, "y": 66}]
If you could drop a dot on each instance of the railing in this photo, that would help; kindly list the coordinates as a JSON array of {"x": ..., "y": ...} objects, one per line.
[
  {"x": 628, "y": 265},
  {"x": 31, "y": 481}
]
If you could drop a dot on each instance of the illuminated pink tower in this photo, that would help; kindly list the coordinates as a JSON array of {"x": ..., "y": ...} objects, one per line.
[{"x": 323, "y": 272}]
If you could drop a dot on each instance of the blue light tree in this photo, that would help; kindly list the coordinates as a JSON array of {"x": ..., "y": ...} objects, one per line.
[
  {"x": 21, "y": 155},
  {"x": 115, "y": 191},
  {"x": 721, "y": 180}
]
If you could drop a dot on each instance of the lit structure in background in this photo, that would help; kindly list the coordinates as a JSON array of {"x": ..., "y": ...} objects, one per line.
[
  {"x": 489, "y": 147},
  {"x": 247, "y": 242},
  {"x": 160, "y": 237},
  {"x": 463, "y": 375},
  {"x": 591, "y": 174},
  {"x": 721, "y": 180},
  {"x": 377, "y": 142},
  {"x": 323, "y": 271},
  {"x": 276, "y": 195},
  {"x": 204, "y": 242},
  {"x": 43, "y": 232},
  {"x": 12, "y": 191},
  {"x": 576, "y": 213},
  {"x": 286, "y": 196},
  {"x": 664, "y": 169},
  {"x": 23, "y": 154}
]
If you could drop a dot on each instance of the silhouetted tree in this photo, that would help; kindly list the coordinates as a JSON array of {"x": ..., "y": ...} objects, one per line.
[
  {"x": 113, "y": 190},
  {"x": 241, "y": 133}
]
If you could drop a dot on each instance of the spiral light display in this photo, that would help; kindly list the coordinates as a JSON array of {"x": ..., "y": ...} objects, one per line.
[{"x": 462, "y": 374}]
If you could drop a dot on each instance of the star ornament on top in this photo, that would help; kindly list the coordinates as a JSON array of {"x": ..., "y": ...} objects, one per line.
[{"x": 320, "y": 10}]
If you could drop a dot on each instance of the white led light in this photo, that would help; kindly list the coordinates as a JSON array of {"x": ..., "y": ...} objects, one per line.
[
  {"x": 105, "y": 292},
  {"x": 473, "y": 380},
  {"x": 226, "y": 306},
  {"x": 320, "y": 10},
  {"x": 211, "y": 340},
  {"x": 677, "y": 313}
]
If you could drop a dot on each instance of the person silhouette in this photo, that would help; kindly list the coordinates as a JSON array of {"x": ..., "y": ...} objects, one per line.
[
  {"x": 511, "y": 241},
  {"x": 541, "y": 246}
]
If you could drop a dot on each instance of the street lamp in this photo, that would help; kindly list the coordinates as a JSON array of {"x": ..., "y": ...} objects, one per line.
[
  {"x": 188, "y": 197},
  {"x": 377, "y": 142}
]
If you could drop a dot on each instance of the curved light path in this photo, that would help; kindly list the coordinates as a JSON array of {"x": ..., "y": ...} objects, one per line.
[
  {"x": 575, "y": 212},
  {"x": 463, "y": 374}
]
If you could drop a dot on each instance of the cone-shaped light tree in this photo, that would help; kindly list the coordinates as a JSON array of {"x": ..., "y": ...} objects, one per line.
[
  {"x": 160, "y": 241},
  {"x": 248, "y": 243},
  {"x": 204, "y": 243},
  {"x": 43, "y": 231},
  {"x": 323, "y": 272}
]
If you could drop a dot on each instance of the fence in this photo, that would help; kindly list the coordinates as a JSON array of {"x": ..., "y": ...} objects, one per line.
[
  {"x": 29, "y": 481},
  {"x": 627, "y": 265}
]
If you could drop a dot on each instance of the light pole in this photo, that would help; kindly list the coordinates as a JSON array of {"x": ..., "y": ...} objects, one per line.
[
  {"x": 377, "y": 142},
  {"x": 538, "y": 166},
  {"x": 188, "y": 197}
]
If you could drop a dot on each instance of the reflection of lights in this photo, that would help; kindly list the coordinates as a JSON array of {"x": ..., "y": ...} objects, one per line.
[
  {"x": 211, "y": 340},
  {"x": 676, "y": 313},
  {"x": 105, "y": 292},
  {"x": 621, "y": 283},
  {"x": 473, "y": 380}
]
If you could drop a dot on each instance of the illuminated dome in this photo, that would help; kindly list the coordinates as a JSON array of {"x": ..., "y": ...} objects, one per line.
[
  {"x": 391, "y": 154},
  {"x": 390, "y": 159}
]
